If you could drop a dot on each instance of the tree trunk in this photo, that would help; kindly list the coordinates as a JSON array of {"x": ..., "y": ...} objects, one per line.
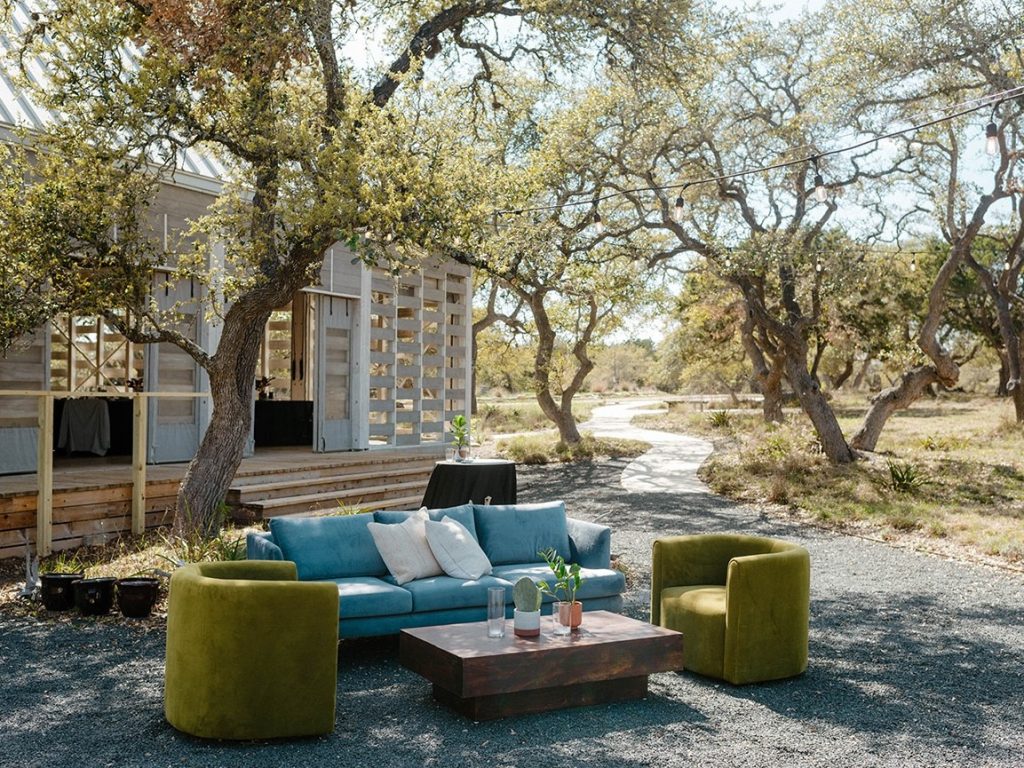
[
  {"x": 844, "y": 374},
  {"x": 771, "y": 393},
  {"x": 1004, "y": 375},
  {"x": 858, "y": 380},
  {"x": 910, "y": 386},
  {"x": 1018, "y": 402},
  {"x": 818, "y": 410},
  {"x": 210, "y": 473}
]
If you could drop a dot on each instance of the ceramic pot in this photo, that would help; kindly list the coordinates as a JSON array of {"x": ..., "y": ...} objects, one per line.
[
  {"x": 137, "y": 596},
  {"x": 526, "y": 623},
  {"x": 571, "y": 614},
  {"x": 58, "y": 590},
  {"x": 95, "y": 597}
]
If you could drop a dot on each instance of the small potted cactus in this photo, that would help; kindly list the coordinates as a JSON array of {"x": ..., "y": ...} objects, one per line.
[{"x": 526, "y": 617}]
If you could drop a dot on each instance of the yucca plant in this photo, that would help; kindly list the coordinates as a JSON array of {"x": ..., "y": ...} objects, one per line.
[
  {"x": 720, "y": 419},
  {"x": 904, "y": 477}
]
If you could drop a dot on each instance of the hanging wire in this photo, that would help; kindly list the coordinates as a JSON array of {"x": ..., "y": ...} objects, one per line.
[{"x": 992, "y": 100}]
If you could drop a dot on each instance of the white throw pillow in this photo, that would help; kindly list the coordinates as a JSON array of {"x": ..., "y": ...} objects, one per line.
[
  {"x": 403, "y": 548},
  {"x": 456, "y": 549}
]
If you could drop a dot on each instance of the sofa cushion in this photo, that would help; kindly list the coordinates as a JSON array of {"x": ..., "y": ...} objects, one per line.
[
  {"x": 698, "y": 611},
  {"x": 404, "y": 548},
  {"x": 440, "y": 593},
  {"x": 456, "y": 550},
  {"x": 331, "y": 547},
  {"x": 366, "y": 596},
  {"x": 515, "y": 533},
  {"x": 597, "y": 582},
  {"x": 462, "y": 513}
]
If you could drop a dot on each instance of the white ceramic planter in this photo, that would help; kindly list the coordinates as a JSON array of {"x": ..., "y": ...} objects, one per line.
[{"x": 526, "y": 623}]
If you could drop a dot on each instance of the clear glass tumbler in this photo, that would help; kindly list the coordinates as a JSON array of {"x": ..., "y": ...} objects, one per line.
[
  {"x": 560, "y": 613},
  {"x": 496, "y": 612}
]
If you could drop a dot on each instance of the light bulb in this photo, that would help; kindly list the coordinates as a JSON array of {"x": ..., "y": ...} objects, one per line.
[
  {"x": 913, "y": 265},
  {"x": 992, "y": 139},
  {"x": 677, "y": 212},
  {"x": 820, "y": 190},
  {"x": 598, "y": 223}
]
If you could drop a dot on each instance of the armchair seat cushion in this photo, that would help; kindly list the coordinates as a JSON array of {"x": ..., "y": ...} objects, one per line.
[
  {"x": 698, "y": 612},
  {"x": 360, "y": 596}
]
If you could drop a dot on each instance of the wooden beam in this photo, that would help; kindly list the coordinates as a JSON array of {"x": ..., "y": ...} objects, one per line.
[
  {"x": 139, "y": 438},
  {"x": 44, "y": 479}
]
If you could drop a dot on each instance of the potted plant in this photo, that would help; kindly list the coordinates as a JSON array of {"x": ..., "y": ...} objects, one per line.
[
  {"x": 58, "y": 590},
  {"x": 526, "y": 616},
  {"x": 460, "y": 434},
  {"x": 567, "y": 582}
]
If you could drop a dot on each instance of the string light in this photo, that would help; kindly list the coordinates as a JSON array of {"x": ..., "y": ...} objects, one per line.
[
  {"x": 598, "y": 223},
  {"x": 821, "y": 191},
  {"x": 913, "y": 265},
  {"x": 992, "y": 139},
  {"x": 677, "y": 211}
]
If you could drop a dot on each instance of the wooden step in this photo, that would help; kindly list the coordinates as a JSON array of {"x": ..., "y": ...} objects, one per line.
[
  {"x": 370, "y": 497},
  {"x": 250, "y": 493},
  {"x": 261, "y": 469}
]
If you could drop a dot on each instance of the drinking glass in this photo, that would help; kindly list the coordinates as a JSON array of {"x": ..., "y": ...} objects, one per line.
[
  {"x": 496, "y": 612},
  {"x": 558, "y": 609}
]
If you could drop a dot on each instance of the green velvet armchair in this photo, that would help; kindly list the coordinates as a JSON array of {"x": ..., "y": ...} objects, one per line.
[
  {"x": 251, "y": 652},
  {"x": 741, "y": 602}
]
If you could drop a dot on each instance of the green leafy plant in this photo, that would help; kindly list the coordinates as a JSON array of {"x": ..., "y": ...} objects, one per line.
[
  {"x": 720, "y": 419},
  {"x": 460, "y": 431},
  {"x": 526, "y": 595},
  {"x": 567, "y": 579},
  {"x": 64, "y": 562},
  {"x": 904, "y": 477}
]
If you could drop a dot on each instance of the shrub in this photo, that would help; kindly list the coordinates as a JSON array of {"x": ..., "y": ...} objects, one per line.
[
  {"x": 904, "y": 477},
  {"x": 720, "y": 419}
]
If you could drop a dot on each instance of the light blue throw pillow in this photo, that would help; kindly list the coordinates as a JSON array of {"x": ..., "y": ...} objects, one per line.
[{"x": 515, "y": 533}]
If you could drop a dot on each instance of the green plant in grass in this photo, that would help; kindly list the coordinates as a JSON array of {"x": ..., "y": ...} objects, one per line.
[
  {"x": 904, "y": 477},
  {"x": 720, "y": 419},
  {"x": 64, "y": 562}
]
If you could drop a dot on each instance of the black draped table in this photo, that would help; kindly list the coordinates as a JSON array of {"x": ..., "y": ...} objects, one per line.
[{"x": 457, "y": 482}]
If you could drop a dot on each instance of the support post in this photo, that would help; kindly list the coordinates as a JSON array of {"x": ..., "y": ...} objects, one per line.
[
  {"x": 139, "y": 424},
  {"x": 44, "y": 478}
]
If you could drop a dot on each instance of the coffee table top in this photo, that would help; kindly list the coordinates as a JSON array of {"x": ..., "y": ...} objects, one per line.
[{"x": 462, "y": 659}]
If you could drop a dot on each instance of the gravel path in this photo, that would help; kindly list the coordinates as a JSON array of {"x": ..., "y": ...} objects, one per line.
[{"x": 914, "y": 661}]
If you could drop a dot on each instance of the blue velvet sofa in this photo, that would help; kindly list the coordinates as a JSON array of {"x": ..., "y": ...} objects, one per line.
[{"x": 340, "y": 549}]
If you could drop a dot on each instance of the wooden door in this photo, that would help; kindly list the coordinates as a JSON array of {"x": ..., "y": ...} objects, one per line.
[{"x": 332, "y": 399}]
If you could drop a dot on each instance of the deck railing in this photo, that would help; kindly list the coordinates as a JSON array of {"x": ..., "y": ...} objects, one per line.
[{"x": 44, "y": 463}]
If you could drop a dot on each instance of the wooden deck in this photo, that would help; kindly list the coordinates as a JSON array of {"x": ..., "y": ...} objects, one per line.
[{"x": 92, "y": 497}]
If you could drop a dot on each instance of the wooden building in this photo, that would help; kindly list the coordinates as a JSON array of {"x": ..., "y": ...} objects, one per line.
[{"x": 359, "y": 376}]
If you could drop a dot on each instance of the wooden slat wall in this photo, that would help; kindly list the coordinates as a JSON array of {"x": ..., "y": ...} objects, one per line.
[{"x": 419, "y": 353}]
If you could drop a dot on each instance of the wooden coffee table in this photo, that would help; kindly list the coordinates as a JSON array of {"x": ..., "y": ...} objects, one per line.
[{"x": 484, "y": 678}]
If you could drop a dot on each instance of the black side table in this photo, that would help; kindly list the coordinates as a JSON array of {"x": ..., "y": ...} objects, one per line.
[{"x": 456, "y": 482}]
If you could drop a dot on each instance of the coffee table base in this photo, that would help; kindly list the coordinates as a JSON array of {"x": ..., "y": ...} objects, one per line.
[{"x": 499, "y": 705}]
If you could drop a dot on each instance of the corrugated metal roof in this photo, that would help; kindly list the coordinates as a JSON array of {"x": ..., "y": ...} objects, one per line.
[{"x": 18, "y": 110}]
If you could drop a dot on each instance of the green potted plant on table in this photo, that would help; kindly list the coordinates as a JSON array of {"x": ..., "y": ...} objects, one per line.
[
  {"x": 460, "y": 435},
  {"x": 526, "y": 617},
  {"x": 567, "y": 581}
]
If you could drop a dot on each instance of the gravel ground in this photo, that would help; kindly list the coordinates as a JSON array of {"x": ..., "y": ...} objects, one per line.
[{"x": 914, "y": 661}]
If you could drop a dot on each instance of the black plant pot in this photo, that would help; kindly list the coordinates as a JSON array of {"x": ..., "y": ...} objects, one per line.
[
  {"x": 58, "y": 590},
  {"x": 94, "y": 597},
  {"x": 137, "y": 596}
]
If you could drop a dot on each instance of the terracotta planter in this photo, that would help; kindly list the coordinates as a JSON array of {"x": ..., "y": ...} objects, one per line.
[
  {"x": 137, "y": 596},
  {"x": 571, "y": 614},
  {"x": 58, "y": 590},
  {"x": 95, "y": 597}
]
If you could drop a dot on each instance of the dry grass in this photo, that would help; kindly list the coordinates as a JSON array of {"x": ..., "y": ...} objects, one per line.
[
  {"x": 546, "y": 448},
  {"x": 949, "y": 473}
]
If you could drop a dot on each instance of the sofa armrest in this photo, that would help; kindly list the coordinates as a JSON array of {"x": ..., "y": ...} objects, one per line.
[
  {"x": 261, "y": 546},
  {"x": 767, "y": 612},
  {"x": 590, "y": 544}
]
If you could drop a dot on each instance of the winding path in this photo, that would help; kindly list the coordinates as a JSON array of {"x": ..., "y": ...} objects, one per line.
[{"x": 672, "y": 463}]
